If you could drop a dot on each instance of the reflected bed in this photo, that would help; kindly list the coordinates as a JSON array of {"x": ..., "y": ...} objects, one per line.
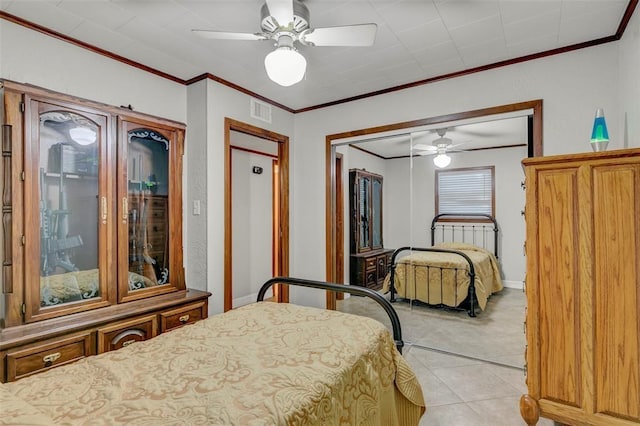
[{"x": 451, "y": 273}]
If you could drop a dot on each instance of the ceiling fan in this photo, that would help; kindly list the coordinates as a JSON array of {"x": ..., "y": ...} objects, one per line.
[
  {"x": 439, "y": 146},
  {"x": 287, "y": 22}
]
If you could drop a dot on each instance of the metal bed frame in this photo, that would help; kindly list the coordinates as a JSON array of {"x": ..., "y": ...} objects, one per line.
[
  {"x": 493, "y": 225},
  {"x": 341, "y": 288}
]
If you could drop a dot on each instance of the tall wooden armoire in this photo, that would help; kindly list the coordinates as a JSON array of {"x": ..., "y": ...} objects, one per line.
[
  {"x": 583, "y": 288},
  {"x": 369, "y": 260}
]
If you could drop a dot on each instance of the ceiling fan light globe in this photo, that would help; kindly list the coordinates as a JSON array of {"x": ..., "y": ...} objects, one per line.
[
  {"x": 285, "y": 66},
  {"x": 83, "y": 135},
  {"x": 442, "y": 160}
]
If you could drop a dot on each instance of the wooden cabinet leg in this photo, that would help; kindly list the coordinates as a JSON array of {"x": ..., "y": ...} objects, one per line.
[{"x": 529, "y": 410}]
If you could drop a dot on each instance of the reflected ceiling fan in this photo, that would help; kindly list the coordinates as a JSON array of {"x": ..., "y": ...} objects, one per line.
[
  {"x": 439, "y": 146},
  {"x": 287, "y": 22}
]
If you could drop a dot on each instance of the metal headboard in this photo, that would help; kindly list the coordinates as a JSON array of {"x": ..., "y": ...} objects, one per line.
[{"x": 476, "y": 218}]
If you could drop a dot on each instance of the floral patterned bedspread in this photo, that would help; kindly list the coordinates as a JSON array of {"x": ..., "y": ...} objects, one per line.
[
  {"x": 264, "y": 363},
  {"x": 418, "y": 275}
]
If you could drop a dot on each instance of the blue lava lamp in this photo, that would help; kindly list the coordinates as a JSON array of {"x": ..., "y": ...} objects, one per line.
[{"x": 599, "y": 134}]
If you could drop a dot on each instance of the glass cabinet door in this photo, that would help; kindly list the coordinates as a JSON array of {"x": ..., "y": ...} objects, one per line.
[
  {"x": 376, "y": 213},
  {"x": 146, "y": 158},
  {"x": 66, "y": 157},
  {"x": 364, "y": 210}
]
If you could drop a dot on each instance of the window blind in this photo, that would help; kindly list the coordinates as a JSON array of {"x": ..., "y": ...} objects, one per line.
[{"x": 465, "y": 191}]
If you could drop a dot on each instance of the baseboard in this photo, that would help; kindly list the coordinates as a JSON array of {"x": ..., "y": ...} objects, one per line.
[{"x": 512, "y": 284}]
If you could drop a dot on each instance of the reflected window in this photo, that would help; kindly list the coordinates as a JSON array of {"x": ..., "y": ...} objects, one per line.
[{"x": 468, "y": 190}]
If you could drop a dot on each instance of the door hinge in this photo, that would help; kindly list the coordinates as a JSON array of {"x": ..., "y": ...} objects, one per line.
[
  {"x": 24, "y": 308},
  {"x": 23, "y": 240},
  {"x": 22, "y": 107},
  {"x": 22, "y": 175}
]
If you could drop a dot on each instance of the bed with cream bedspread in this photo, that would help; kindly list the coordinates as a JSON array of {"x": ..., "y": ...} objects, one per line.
[
  {"x": 264, "y": 363},
  {"x": 431, "y": 277}
]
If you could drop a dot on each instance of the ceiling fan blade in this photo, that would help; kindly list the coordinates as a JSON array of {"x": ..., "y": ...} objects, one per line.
[
  {"x": 281, "y": 10},
  {"x": 450, "y": 147},
  {"x": 223, "y": 35},
  {"x": 348, "y": 35},
  {"x": 424, "y": 147}
]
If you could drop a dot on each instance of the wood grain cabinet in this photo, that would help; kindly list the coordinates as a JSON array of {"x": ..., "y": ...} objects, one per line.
[
  {"x": 91, "y": 223},
  {"x": 369, "y": 260},
  {"x": 369, "y": 269},
  {"x": 583, "y": 288}
]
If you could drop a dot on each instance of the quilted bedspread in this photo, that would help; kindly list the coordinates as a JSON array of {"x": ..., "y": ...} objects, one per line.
[
  {"x": 418, "y": 275},
  {"x": 264, "y": 363}
]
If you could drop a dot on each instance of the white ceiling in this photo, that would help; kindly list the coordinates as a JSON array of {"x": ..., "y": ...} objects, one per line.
[
  {"x": 487, "y": 132},
  {"x": 416, "y": 39}
]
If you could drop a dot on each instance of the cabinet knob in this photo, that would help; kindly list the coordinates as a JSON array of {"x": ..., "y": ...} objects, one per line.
[
  {"x": 184, "y": 318},
  {"x": 128, "y": 342}
]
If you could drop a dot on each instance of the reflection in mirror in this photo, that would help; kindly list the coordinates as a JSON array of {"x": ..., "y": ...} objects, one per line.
[
  {"x": 148, "y": 204},
  {"x": 68, "y": 193},
  {"x": 409, "y": 160}
]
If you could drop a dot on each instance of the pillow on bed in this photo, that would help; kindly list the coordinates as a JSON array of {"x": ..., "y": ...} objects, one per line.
[
  {"x": 137, "y": 281},
  {"x": 68, "y": 287},
  {"x": 61, "y": 288},
  {"x": 460, "y": 246}
]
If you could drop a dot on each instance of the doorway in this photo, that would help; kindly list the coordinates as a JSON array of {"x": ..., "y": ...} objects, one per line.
[{"x": 277, "y": 177}]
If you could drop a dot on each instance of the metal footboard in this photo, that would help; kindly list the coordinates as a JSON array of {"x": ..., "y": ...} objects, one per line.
[
  {"x": 470, "y": 272},
  {"x": 341, "y": 288}
]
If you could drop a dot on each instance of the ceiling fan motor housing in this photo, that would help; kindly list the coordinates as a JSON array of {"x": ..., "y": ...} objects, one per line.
[{"x": 300, "y": 19}]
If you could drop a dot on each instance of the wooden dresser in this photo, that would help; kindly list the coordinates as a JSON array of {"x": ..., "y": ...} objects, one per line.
[
  {"x": 583, "y": 288},
  {"x": 370, "y": 268}
]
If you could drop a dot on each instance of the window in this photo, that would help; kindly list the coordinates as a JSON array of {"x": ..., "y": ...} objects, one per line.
[{"x": 468, "y": 190}]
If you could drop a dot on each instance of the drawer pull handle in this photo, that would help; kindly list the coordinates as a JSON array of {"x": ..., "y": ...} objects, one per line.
[
  {"x": 184, "y": 318},
  {"x": 50, "y": 359},
  {"x": 128, "y": 342}
]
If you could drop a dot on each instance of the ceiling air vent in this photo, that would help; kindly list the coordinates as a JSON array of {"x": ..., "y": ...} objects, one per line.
[{"x": 260, "y": 110}]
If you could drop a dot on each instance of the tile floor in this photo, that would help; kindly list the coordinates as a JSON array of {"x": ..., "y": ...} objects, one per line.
[
  {"x": 471, "y": 369},
  {"x": 461, "y": 391}
]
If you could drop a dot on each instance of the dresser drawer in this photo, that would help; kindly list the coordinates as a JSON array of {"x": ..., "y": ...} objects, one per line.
[
  {"x": 157, "y": 240},
  {"x": 183, "y": 315},
  {"x": 43, "y": 356},
  {"x": 370, "y": 263},
  {"x": 118, "y": 335},
  {"x": 158, "y": 203},
  {"x": 158, "y": 214}
]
